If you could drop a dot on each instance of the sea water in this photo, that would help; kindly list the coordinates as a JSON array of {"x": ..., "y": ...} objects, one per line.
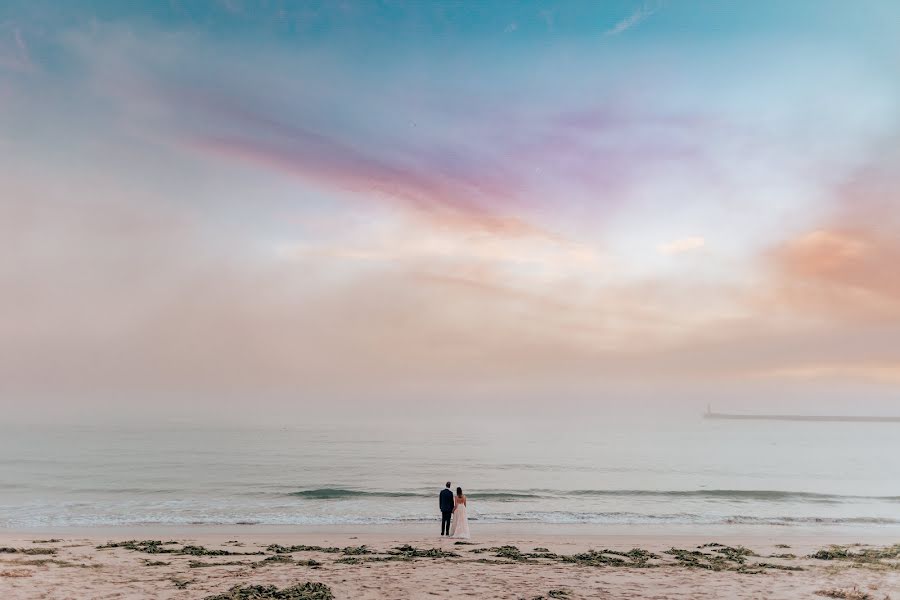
[{"x": 555, "y": 471}]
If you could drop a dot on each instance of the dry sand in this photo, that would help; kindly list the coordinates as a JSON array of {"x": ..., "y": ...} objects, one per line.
[{"x": 78, "y": 569}]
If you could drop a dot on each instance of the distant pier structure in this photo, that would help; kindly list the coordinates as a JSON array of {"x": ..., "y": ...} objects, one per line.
[{"x": 710, "y": 414}]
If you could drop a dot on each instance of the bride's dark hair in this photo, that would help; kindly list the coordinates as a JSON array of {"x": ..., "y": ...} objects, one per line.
[{"x": 459, "y": 491}]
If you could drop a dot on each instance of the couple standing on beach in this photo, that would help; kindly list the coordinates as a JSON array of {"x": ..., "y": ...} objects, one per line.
[{"x": 454, "y": 520}]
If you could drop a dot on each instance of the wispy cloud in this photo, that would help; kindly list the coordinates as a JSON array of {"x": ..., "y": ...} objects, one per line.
[
  {"x": 632, "y": 20},
  {"x": 15, "y": 56}
]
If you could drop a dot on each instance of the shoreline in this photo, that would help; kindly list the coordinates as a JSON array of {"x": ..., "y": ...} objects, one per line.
[{"x": 859, "y": 533}]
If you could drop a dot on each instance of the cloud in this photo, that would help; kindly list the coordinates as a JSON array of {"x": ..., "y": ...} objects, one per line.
[
  {"x": 632, "y": 20},
  {"x": 682, "y": 245},
  {"x": 847, "y": 273},
  {"x": 846, "y": 268},
  {"x": 478, "y": 165},
  {"x": 885, "y": 372},
  {"x": 14, "y": 52}
]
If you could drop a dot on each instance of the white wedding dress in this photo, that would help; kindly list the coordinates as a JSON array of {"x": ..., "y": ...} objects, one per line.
[{"x": 459, "y": 523}]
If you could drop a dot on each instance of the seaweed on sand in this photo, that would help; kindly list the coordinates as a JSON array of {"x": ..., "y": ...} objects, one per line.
[
  {"x": 853, "y": 593},
  {"x": 639, "y": 557},
  {"x": 356, "y": 550},
  {"x": 636, "y": 557},
  {"x": 700, "y": 560},
  {"x": 156, "y": 563},
  {"x": 145, "y": 546},
  {"x": 765, "y": 565},
  {"x": 593, "y": 558},
  {"x": 40, "y": 562},
  {"x": 32, "y": 551},
  {"x": 158, "y": 547},
  {"x": 509, "y": 552},
  {"x": 199, "y": 564},
  {"x": 412, "y": 552},
  {"x": 202, "y": 551},
  {"x": 513, "y": 553},
  {"x": 279, "y": 549},
  {"x": 181, "y": 583},
  {"x": 311, "y": 563},
  {"x": 554, "y": 594},
  {"x": 725, "y": 558},
  {"x": 275, "y": 559},
  {"x": 305, "y": 591},
  {"x": 50, "y": 541},
  {"x": 870, "y": 558},
  {"x": 832, "y": 553},
  {"x": 282, "y": 559},
  {"x": 735, "y": 553},
  {"x": 888, "y": 552}
]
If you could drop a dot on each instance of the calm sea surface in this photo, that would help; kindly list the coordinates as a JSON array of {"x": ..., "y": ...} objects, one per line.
[{"x": 778, "y": 474}]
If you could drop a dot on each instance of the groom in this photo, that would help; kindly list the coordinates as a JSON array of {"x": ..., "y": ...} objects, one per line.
[{"x": 446, "y": 504}]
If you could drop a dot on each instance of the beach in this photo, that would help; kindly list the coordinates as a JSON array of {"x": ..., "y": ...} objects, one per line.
[{"x": 410, "y": 561}]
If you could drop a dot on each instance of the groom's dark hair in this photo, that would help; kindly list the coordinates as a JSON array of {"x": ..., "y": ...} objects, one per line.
[{"x": 448, "y": 484}]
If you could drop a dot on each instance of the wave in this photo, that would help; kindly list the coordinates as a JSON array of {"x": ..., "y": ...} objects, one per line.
[
  {"x": 630, "y": 518},
  {"x": 339, "y": 493},
  {"x": 759, "y": 495},
  {"x": 334, "y": 493},
  {"x": 343, "y": 493}
]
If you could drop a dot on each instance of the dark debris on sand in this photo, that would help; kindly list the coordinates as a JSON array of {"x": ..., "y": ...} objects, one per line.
[
  {"x": 145, "y": 546},
  {"x": 31, "y": 551},
  {"x": 199, "y": 564},
  {"x": 596, "y": 558},
  {"x": 412, "y": 552},
  {"x": 158, "y": 547},
  {"x": 554, "y": 594},
  {"x": 304, "y": 591},
  {"x": 279, "y": 549},
  {"x": 872, "y": 558},
  {"x": 853, "y": 593},
  {"x": 724, "y": 558},
  {"x": 156, "y": 563}
]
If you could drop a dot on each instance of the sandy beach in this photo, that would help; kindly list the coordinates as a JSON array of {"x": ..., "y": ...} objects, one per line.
[{"x": 408, "y": 562}]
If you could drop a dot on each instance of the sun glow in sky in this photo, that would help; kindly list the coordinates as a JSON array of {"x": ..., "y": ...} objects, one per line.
[{"x": 381, "y": 199}]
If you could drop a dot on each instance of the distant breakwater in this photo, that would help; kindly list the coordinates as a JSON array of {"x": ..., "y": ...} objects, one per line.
[{"x": 816, "y": 418}]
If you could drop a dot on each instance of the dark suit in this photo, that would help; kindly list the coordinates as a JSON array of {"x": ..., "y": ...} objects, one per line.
[{"x": 446, "y": 504}]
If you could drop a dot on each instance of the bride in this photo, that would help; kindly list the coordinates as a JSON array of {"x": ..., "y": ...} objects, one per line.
[{"x": 459, "y": 528}]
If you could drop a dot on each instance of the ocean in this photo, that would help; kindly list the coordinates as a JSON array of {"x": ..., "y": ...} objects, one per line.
[{"x": 621, "y": 471}]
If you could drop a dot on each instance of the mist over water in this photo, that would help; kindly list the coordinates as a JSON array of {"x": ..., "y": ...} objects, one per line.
[{"x": 622, "y": 470}]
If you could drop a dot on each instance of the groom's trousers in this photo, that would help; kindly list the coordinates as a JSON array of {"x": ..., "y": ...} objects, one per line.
[{"x": 445, "y": 521}]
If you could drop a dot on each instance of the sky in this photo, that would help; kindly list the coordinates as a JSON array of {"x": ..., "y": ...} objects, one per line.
[{"x": 235, "y": 207}]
